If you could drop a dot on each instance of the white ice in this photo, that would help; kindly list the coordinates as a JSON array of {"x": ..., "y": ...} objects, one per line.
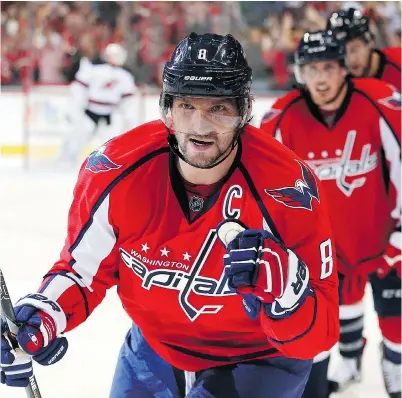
[{"x": 33, "y": 214}]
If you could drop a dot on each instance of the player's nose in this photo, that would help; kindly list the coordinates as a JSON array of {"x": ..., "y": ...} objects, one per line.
[{"x": 199, "y": 122}]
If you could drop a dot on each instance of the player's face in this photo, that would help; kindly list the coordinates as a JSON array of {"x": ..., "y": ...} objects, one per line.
[
  {"x": 204, "y": 128},
  {"x": 357, "y": 56},
  {"x": 323, "y": 79}
]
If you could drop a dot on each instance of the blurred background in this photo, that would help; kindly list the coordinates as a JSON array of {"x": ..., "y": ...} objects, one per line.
[
  {"x": 42, "y": 44},
  {"x": 44, "y": 41}
]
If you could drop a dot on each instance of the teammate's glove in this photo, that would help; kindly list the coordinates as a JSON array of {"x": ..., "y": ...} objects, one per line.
[
  {"x": 261, "y": 269},
  {"x": 392, "y": 260}
]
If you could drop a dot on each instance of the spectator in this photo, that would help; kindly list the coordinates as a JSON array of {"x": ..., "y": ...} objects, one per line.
[{"x": 64, "y": 31}]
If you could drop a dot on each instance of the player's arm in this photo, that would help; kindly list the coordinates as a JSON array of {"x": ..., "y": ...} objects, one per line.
[
  {"x": 312, "y": 325},
  {"x": 273, "y": 120},
  {"x": 290, "y": 284},
  {"x": 390, "y": 132},
  {"x": 128, "y": 106},
  {"x": 88, "y": 263},
  {"x": 79, "y": 87},
  {"x": 270, "y": 121},
  {"x": 87, "y": 267}
]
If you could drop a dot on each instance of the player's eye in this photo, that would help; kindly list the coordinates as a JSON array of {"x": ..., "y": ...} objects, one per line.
[
  {"x": 312, "y": 69},
  {"x": 186, "y": 105},
  {"x": 218, "y": 108}
]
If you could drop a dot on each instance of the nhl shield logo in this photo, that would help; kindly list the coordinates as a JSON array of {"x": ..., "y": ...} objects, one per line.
[{"x": 196, "y": 203}]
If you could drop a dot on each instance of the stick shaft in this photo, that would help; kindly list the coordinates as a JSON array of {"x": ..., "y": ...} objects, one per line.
[{"x": 7, "y": 312}]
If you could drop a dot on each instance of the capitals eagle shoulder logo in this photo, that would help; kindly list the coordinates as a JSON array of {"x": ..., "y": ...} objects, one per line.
[
  {"x": 98, "y": 162},
  {"x": 393, "y": 102},
  {"x": 301, "y": 195}
]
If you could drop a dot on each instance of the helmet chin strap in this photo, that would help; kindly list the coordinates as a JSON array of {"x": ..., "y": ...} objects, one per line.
[
  {"x": 338, "y": 93},
  {"x": 172, "y": 141}
]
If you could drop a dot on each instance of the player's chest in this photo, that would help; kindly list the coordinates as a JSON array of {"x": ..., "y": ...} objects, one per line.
[
  {"x": 345, "y": 155},
  {"x": 164, "y": 257}
]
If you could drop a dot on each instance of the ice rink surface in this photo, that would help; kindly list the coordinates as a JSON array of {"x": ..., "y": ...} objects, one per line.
[{"x": 33, "y": 220}]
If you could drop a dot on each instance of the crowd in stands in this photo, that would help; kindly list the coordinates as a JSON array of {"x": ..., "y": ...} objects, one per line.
[{"x": 43, "y": 41}]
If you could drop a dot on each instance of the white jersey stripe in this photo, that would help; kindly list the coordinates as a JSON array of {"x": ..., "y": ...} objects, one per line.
[
  {"x": 393, "y": 155},
  {"x": 278, "y": 135},
  {"x": 96, "y": 244},
  {"x": 57, "y": 286}
]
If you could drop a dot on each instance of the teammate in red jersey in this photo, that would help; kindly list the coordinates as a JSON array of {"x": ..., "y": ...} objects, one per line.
[
  {"x": 348, "y": 131},
  {"x": 363, "y": 59},
  {"x": 195, "y": 217}
]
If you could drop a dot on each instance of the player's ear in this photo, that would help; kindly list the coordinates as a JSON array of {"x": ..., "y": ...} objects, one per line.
[{"x": 344, "y": 72}]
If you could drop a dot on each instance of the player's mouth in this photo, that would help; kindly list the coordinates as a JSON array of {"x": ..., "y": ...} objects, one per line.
[
  {"x": 354, "y": 68},
  {"x": 201, "y": 144},
  {"x": 322, "y": 88}
]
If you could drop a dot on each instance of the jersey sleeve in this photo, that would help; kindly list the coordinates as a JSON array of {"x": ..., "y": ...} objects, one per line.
[
  {"x": 390, "y": 132},
  {"x": 88, "y": 263},
  {"x": 129, "y": 101},
  {"x": 271, "y": 120},
  {"x": 79, "y": 86},
  {"x": 83, "y": 75},
  {"x": 128, "y": 85},
  {"x": 314, "y": 326}
]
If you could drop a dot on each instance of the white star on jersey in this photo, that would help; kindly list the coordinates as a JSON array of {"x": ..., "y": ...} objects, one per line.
[
  {"x": 165, "y": 252},
  {"x": 186, "y": 256},
  {"x": 145, "y": 248}
]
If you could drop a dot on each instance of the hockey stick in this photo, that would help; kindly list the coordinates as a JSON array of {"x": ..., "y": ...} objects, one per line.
[{"x": 7, "y": 312}]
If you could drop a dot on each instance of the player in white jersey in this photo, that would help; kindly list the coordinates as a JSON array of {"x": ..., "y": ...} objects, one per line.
[{"x": 97, "y": 91}]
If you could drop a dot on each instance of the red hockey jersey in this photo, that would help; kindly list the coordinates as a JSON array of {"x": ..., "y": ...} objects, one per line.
[
  {"x": 359, "y": 161},
  {"x": 129, "y": 225},
  {"x": 389, "y": 69}
]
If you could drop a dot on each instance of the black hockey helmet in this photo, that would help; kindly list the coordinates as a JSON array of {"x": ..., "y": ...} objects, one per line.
[
  {"x": 320, "y": 45},
  {"x": 208, "y": 65},
  {"x": 350, "y": 24}
]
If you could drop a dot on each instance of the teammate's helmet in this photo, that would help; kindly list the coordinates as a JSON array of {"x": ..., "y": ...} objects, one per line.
[
  {"x": 350, "y": 24},
  {"x": 320, "y": 45},
  {"x": 115, "y": 54}
]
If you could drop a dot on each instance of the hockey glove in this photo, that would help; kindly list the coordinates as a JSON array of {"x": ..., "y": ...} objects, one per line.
[
  {"x": 40, "y": 321},
  {"x": 392, "y": 260},
  {"x": 264, "y": 271},
  {"x": 16, "y": 365}
]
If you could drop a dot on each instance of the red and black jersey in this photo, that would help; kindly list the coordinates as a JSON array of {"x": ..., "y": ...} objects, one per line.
[
  {"x": 389, "y": 69},
  {"x": 358, "y": 159},
  {"x": 130, "y": 225}
]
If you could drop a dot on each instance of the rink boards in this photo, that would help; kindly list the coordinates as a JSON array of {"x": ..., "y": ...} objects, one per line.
[{"x": 33, "y": 125}]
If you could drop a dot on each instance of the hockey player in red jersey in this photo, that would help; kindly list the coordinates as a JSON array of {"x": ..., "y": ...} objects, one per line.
[
  {"x": 363, "y": 59},
  {"x": 348, "y": 131},
  {"x": 153, "y": 212}
]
